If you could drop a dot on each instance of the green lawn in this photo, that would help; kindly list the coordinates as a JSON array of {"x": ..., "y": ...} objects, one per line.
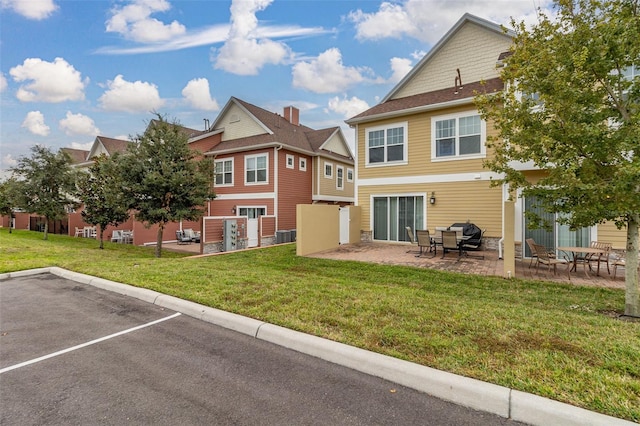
[{"x": 555, "y": 340}]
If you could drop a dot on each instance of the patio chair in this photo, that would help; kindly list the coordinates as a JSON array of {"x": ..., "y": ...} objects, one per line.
[
  {"x": 531, "y": 243},
  {"x": 602, "y": 257},
  {"x": 182, "y": 238},
  {"x": 412, "y": 240},
  {"x": 79, "y": 232},
  {"x": 190, "y": 233},
  {"x": 450, "y": 242},
  {"x": 542, "y": 256},
  {"x": 425, "y": 241},
  {"x": 127, "y": 237},
  {"x": 116, "y": 237}
]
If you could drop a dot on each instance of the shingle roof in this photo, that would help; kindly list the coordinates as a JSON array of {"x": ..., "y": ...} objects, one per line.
[
  {"x": 76, "y": 155},
  {"x": 297, "y": 137},
  {"x": 428, "y": 99},
  {"x": 113, "y": 145}
]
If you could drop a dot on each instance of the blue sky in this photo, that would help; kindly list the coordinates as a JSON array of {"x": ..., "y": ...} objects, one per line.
[{"x": 72, "y": 70}]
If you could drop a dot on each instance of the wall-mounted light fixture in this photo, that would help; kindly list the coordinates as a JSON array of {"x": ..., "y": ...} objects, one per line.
[
  {"x": 233, "y": 209},
  {"x": 432, "y": 199}
]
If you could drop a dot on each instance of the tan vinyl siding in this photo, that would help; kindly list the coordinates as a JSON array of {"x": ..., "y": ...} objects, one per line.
[
  {"x": 461, "y": 52},
  {"x": 608, "y": 232},
  {"x": 474, "y": 201},
  {"x": 328, "y": 185},
  {"x": 336, "y": 145},
  {"x": 238, "y": 124},
  {"x": 418, "y": 148}
]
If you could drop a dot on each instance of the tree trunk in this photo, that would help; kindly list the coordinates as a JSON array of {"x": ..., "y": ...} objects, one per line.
[
  {"x": 101, "y": 241},
  {"x": 632, "y": 301},
  {"x": 10, "y": 221},
  {"x": 46, "y": 229},
  {"x": 159, "y": 240}
]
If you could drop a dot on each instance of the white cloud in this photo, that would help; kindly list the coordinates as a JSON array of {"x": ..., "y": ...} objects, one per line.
[
  {"x": 56, "y": 81},
  {"x": 198, "y": 95},
  {"x": 34, "y": 122},
  {"x": 429, "y": 20},
  {"x": 326, "y": 73},
  {"x": 245, "y": 52},
  {"x": 391, "y": 20},
  {"x": 129, "y": 96},
  {"x": 78, "y": 124},
  {"x": 31, "y": 9},
  {"x": 3, "y": 82},
  {"x": 400, "y": 68},
  {"x": 347, "y": 107},
  {"x": 134, "y": 22}
]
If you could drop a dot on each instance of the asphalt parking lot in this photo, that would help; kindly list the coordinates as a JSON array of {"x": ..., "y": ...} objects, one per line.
[{"x": 71, "y": 353}]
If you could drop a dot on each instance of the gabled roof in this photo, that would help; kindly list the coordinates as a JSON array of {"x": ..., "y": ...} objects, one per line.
[
  {"x": 76, "y": 155},
  {"x": 466, "y": 18},
  {"x": 187, "y": 131},
  {"x": 426, "y": 101},
  {"x": 277, "y": 131},
  {"x": 110, "y": 145}
]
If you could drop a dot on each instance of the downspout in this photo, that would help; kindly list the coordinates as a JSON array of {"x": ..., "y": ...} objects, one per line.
[
  {"x": 275, "y": 183},
  {"x": 505, "y": 192}
]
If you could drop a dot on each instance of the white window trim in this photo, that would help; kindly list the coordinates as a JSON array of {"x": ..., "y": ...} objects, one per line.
[
  {"x": 302, "y": 164},
  {"x": 405, "y": 150},
  {"x": 330, "y": 175},
  {"x": 339, "y": 169},
  {"x": 350, "y": 172},
  {"x": 247, "y": 157},
  {"x": 293, "y": 161},
  {"x": 458, "y": 157},
  {"x": 223, "y": 160}
]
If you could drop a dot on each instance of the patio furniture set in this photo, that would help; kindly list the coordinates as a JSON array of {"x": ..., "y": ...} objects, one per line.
[
  {"x": 122, "y": 236},
  {"x": 187, "y": 236},
  {"x": 459, "y": 237},
  {"x": 86, "y": 232},
  {"x": 594, "y": 255}
]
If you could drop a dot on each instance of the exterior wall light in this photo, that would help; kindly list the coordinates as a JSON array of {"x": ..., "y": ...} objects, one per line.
[{"x": 432, "y": 199}]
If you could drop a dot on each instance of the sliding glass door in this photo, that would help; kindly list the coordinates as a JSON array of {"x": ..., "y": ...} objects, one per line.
[
  {"x": 557, "y": 235},
  {"x": 392, "y": 214}
]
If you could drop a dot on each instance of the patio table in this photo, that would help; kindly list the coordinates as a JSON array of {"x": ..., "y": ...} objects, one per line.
[{"x": 575, "y": 251}]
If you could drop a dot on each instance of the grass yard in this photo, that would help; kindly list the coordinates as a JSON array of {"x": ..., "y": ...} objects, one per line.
[{"x": 555, "y": 340}]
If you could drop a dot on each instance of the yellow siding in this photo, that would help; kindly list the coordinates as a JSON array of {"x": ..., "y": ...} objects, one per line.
[
  {"x": 460, "y": 52},
  {"x": 238, "y": 124},
  {"x": 328, "y": 185},
  {"x": 608, "y": 232},
  {"x": 336, "y": 145},
  {"x": 474, "y": 201},
  {"x": 419, "y": 149}
]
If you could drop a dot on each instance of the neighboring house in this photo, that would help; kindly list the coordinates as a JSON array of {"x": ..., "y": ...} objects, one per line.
[
  {"x": 420, "y": 152},
  {"x": 267, "y": 163}
]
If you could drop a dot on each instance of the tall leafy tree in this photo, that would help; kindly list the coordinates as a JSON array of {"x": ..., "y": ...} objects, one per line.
[
  {"x": 572, "y": 107},
  {"x": 47, "y": 182},
  {"x": 101, "y": 190},
  {"x": 9, "y": 195},
  {"x": 167, "y": 181}
]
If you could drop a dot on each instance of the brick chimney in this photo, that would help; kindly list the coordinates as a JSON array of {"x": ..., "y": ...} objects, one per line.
[{"x": 292, "y": 115}]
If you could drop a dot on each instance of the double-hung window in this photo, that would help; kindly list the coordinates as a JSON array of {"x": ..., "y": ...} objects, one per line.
[
  {"x": 256, "y": 169},
  {"x": 339, "y": 177},
  {"x": 224, "y": 172},
  {"x": 387, "y": 144},
  {"x": 457, "y": 136}
]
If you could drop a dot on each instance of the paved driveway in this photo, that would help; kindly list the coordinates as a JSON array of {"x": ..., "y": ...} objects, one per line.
[{"x": 74, "y": 354}]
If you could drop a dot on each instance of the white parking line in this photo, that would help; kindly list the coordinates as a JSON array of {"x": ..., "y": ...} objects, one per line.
[{"x": 73, "y": 348}]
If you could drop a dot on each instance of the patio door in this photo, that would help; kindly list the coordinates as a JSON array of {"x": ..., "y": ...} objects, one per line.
[
  {"x": 252, "y": 214},
  {"x": 557, "y": 235},
  {"x": 392, "y": 214}
]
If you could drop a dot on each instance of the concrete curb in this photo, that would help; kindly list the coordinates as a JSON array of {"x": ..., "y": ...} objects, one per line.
[{"x": 476, "y": 394}]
